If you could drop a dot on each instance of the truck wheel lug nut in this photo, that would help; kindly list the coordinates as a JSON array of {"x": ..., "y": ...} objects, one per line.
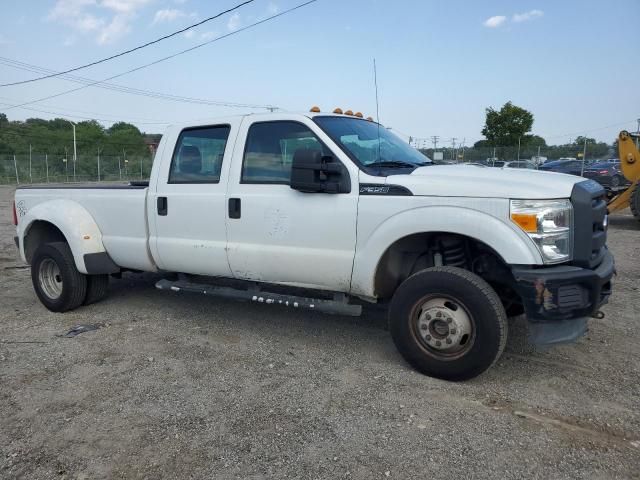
[
  {"x": 449, "y": 320},
  {"x": 452, "y": 331},
  {"x": 428, "y": 337},
  {"x": 439, "y": 314},
  {"x": 424, "y": 326},
  {"x": 448, "y": 340},
  {"x": 438, "y": 343}
]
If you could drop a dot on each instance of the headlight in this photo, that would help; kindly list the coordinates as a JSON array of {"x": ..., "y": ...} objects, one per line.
[{"x": 549, "y": 223}]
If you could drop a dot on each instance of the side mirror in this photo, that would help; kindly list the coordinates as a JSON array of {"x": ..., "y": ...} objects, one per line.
[{"x": 311, "y": 172}]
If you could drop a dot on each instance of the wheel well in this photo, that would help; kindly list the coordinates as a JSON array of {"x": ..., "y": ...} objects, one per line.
[
  {"x": 416, "y": 252},
  {"x": 40, "y": 232}
]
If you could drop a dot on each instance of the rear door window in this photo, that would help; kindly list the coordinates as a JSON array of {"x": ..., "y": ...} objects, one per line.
[{"x": 198, "y": 155}]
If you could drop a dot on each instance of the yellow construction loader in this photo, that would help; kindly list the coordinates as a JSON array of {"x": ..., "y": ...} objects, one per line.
[{"x": 630, "y": 166}]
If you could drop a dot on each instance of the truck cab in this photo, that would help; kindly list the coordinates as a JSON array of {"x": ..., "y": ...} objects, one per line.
[{"x": 341, "y": 210}]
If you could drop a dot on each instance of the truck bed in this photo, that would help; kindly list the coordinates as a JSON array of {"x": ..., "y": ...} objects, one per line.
[{"x": 119, "y": 210}]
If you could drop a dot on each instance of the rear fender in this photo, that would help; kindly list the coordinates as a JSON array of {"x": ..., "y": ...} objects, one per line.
[{"x": 73, "y": 220}]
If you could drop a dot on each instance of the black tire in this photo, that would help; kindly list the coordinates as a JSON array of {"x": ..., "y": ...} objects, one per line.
[
  {"x": 54, "y": 261},
  {"x": 634, "y": 202},
  {"x": 97, "y": 286},
  {"x": 616, "y": 181},
  {"x": 482, "y": 311}
]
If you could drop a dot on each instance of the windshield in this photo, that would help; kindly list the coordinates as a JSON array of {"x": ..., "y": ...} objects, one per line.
[{"x": 360, "y": 140}]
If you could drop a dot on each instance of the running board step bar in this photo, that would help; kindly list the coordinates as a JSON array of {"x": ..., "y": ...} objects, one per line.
[{"x": 339, "y": 306}]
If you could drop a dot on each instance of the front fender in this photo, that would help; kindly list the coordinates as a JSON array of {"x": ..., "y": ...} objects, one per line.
[
  {"x": 506, "y": 240},
  {"x": 75, "y": 223}
]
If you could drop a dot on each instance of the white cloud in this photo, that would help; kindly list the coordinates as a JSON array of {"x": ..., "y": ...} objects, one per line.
[
  {"x": 234, "y": 22},
  {"x": 168, "y": 15},
  {"x": 206, "y": 36},
  {"x": 189, "y": 33},
  {"x": 526, "y": 16},
  {"x": 124, "y": 6},
  {"x": 73, "y": 14},
  {"x": 272, "y": 8},
  {"x": 117, "y": 28},
  {"x": 108, "y": 20},
  {"x": 495, "y": 21}
]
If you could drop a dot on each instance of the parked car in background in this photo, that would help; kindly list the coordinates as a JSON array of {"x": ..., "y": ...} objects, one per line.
[
  {"x": 572, "y": 167},
  {"x": 538, "y": 160},
  {"x": 520, "y": 164},
  {"x": 513, "y": 164},
  {"x": 606, "y": 173}
]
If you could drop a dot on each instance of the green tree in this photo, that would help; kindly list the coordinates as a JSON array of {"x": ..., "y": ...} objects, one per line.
[{"x": 505, "y": 126}]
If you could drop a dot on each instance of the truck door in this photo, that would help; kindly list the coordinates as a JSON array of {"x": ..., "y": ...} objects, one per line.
[
  {"x": 280, "y": 235},
  {"x": 189, "y": 205}
]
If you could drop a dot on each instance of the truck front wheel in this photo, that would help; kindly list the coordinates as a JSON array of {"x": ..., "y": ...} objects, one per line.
[
  {"x": 56, "y": 280},
  {"x": 448, "y": 323}
]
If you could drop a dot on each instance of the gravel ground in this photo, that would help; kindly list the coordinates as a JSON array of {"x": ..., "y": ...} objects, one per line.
[{"x": 183, "y": 386}]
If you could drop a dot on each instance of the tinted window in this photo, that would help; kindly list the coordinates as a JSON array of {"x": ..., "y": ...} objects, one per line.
[
  {"x": 271, "y": 147},
  {"x": 198, "y": 155},
  {"x": 369, "y": 142}
]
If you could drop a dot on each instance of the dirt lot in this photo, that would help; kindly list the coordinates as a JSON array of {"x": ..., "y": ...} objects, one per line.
[{"x": 182, "y": 386}]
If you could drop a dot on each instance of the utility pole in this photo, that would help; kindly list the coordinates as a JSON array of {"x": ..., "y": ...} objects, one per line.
[
  {"x": 66, "y": 164},
  {"x": 453, "y": 147},
  {"x": 46, "y": 165},
  {"x": 75, "y": 157},
  {"x": 584, "y": 156},
  {"x": 124, "y": 156},
  {"x": 30, "y": 175},
  {"x": 98, "y": 164},
  {"x": 15, "y": 165},
  {"x": 119, "y": 168},
  {"x": 519, "y": 148},
  {"x": 434, "y": 140}
]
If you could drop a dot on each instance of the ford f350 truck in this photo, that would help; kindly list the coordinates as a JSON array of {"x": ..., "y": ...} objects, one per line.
[{"x": 329, "y": 211}]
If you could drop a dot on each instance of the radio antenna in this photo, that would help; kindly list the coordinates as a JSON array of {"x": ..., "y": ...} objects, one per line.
[{"x": 375, "y": 82}]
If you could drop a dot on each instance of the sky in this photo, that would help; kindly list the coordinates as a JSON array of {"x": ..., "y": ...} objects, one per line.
[{"x": 440, "y": 63}]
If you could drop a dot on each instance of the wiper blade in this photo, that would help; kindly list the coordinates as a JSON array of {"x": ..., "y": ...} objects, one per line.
[{"x": 398, "y": 164}]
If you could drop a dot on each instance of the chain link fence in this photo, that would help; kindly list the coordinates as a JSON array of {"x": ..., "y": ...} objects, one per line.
[
  {"x": 533, "y": 154},
  {"x": 32, "y": 167}
]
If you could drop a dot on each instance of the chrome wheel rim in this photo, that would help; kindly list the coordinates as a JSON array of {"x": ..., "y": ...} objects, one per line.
[
  {"x": 443, "y": 327},
  {"x": 50, "y": 279}
]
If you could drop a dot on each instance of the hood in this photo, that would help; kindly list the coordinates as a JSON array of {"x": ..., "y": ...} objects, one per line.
[{"x": 486, "y": 182}]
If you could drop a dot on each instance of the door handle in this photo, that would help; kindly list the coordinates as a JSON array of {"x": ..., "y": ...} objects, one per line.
[
  {"x": 234, "y": 208},
  {"x": 162, "y": 206}
]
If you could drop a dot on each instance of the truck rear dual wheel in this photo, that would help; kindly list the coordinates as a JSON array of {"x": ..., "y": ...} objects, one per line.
[
  {"x": 58, "y": 283},
  {"x": 448, "y": 323}
]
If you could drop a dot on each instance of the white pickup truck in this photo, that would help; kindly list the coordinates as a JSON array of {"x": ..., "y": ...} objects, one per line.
[{"x": 326, "y": 212}]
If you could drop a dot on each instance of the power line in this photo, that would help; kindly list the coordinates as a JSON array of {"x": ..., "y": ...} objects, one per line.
[
  {"x": 133, "y": 91},
  {"x": 272, "y": 17},
  {"x": 139, "y": 47},
  {"x": 50, "y": 112},
  {"x": 590, "y": 130}
]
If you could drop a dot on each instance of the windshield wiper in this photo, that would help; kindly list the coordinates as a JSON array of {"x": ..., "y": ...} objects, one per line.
[{"x": 397, "y": 164}]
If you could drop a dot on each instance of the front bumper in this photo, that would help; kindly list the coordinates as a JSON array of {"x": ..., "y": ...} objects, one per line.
[{"x": 559, "y": 300}]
